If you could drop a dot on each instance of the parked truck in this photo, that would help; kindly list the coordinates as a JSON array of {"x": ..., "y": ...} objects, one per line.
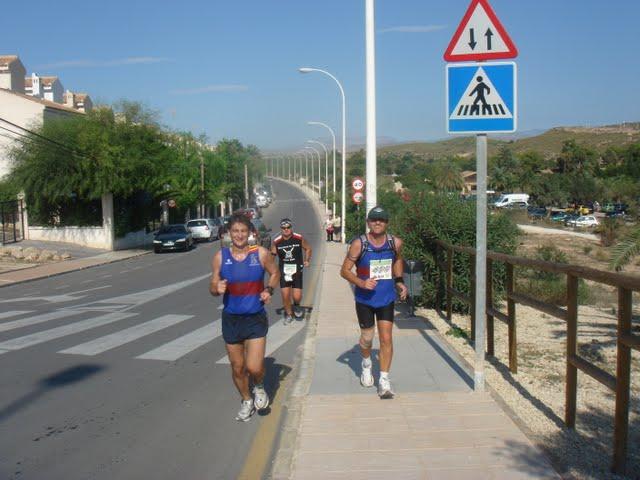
[{"x": 507, "y": 199}]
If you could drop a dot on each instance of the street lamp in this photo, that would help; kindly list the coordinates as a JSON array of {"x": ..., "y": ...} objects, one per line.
[
  {"x": 317, "y": 153},
  {"x": 344, "y": 145},
  {"x": 326, "y": 175},
  {"x": 333, "y": 137}
]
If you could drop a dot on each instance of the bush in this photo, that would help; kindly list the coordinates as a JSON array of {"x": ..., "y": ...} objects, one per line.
[
  {"x": 608, "y": 231},
  {"x": 427, "y": 218}
]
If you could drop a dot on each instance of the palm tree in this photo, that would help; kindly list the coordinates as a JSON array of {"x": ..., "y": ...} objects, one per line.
[
  {"x": 626, "y": 250},
  {"x": 447, "y": 178}
]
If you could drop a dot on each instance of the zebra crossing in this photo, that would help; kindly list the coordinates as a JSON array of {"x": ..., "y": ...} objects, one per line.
[{"x": 169, "y": 351}]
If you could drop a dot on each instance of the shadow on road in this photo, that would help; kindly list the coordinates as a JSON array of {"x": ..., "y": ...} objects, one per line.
[{"x": 61, "y": 379}]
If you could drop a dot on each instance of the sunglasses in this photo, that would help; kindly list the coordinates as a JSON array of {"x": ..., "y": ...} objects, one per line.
[{"x": 285, "y": 228}]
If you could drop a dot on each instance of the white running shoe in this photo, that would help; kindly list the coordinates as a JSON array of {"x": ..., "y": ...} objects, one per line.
[
  {"x": 384, "y": 388},
  {"x": 246, "y": 410},
  {"x": 298, "y": 311},
  {"x": 287, "y": 319},
  {"x": 260, "y": 397},
  {"x": 366, "y": 377}
]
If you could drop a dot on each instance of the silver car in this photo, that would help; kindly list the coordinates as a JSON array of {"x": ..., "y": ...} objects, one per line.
[{"x": 203, "y": 229}]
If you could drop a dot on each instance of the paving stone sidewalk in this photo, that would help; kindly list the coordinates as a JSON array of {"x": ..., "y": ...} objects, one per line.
[{"x": 435, "y": 428}]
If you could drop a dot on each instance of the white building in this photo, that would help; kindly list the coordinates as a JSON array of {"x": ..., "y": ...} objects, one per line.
[
  {"x": 18, "y": 111},
  {"x": 48, "y": 88},
  {"x": 12, "y": 73},
  {"x": 77, "y": 101}
]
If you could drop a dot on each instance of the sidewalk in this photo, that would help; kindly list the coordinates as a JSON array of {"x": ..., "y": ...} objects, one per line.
[
  {"x": 435, "y": 428},
  {"x": 51, "y": 269}
]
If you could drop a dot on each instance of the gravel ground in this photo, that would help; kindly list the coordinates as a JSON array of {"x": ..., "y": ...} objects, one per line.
[{"x": 537, "y": 392}]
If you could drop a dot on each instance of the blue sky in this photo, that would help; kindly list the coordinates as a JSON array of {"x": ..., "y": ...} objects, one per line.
[{"x": 229, "y": 68}]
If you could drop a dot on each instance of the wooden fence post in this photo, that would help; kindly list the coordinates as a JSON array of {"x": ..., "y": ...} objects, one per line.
[
  {"x": 572, "y": 350},
  {"x": 511, "y": 313},
  {"x": 623, "y": 382},
  {"x": 490, "y": 332}
]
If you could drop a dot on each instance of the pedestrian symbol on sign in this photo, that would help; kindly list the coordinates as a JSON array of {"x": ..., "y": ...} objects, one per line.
[
  {"x": 482, "y": 97},
  {"x": 481, "y": 100}
]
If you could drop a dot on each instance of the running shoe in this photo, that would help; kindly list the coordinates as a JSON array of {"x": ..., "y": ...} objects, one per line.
[
  {"x": 260, "y": 397},
  {"x": 298, "y": 311},
  {"x": 366, "y": 377},
  {"x": 246, "y": 410},
  {"x": 384, "y": 388},
  {"x": 288, "y": 319}
]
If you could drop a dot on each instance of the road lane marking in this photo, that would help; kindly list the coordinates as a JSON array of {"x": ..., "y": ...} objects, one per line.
[
  {"x": 14, "y": 313},
  {"x": 52, "y": 334},
  {"x": 187, "y": 343},
  {"x": 45, "y": 317},
  {"x": 278, "y": 335},
  {"x": 117, "y": 339}
]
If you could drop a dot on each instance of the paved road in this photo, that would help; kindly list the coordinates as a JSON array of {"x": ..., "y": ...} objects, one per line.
[{"x": 118, "y": 371}]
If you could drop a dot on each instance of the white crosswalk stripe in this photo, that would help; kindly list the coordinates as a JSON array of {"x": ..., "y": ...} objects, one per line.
[
  {"x": 58, "y": 332},
  {"x": 14, "y": 313},
  {"x": 122, "y": 337},
  {"x": 278, "y": 335},
  {"x": 45, "y": 317},
  {"x": 187, "y": 343}
]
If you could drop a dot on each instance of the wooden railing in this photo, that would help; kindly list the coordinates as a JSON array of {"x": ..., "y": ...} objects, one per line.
[{"x": 620, "y": 384}]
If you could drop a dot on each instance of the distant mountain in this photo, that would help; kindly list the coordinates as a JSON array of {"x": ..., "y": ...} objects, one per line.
[{"x": 549, "y": 143}]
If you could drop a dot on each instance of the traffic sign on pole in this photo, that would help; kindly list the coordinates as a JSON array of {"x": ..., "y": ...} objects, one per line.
[
  {"x": 357, "y": 184},
  {"x": 480, "y": 36},
  {"x": 357, "y": 197},
  {"x": 482, "y": 97}
]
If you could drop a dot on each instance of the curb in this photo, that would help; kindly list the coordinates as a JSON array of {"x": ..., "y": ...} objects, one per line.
[
  {"x": 293, "y": 404},
  {"x": 55, "y": 274}
]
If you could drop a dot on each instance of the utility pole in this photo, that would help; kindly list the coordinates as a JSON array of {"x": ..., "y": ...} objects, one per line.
[
  {"x": 371, "y": 162},
  {"x": 202, "y": 205},
  {"x": 246, "y": 187}
]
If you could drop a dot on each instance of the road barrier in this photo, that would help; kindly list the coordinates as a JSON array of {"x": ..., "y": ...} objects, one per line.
[{"x": 620, "y": 384}]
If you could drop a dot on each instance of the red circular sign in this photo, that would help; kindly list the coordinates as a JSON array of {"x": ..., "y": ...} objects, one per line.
[
  {"x": 357, "y": 197},
  {"x": 357, "y": 184}
]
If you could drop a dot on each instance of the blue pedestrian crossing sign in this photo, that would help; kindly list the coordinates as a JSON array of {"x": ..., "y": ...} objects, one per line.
[{"x": 482, "y": 97}]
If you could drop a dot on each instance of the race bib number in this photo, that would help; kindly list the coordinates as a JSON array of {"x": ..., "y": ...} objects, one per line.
[
  {"x": 289, "y": 270},
  {"x": 380, "y": 269}
]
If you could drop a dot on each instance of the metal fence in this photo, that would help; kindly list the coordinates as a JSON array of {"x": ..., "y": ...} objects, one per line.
[
  {"x": 619, "y": 384},
  {"x": 11, "y": 221}
]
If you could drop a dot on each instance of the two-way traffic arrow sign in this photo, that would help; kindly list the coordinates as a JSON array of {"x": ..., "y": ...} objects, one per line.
[{"x": 480, "y": 36}]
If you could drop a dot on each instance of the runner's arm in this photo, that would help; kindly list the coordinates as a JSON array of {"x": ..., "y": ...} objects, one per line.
[
  {"x": 270, "y": 266},
  {"x": 273, "y": 249},
  {"x": 307, "y": 252},
  {"x": 215, "y": 275},
  {"x": 398, "y": 270},
  {"x": 349, "y": 262}
]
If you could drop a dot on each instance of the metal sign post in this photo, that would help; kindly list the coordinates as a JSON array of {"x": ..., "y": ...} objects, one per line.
[{"x": 481, "y": 98}]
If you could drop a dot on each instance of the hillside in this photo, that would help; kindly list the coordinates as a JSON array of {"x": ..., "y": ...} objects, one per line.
[{"x": 549, "y": 143}]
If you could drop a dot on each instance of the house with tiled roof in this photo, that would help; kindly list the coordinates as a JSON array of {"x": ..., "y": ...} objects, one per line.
[
  {"x": 46, "y": 87},
  {"x": 12, "y": 73},
  {"x": 78, "y": 101}
]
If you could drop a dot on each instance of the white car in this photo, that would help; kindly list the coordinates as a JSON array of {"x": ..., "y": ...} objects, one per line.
[
  {"x": 203, "y": 229},
  {"x": 584, "y": 221}
]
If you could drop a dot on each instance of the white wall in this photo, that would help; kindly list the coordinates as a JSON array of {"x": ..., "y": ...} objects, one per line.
[
  {"x": 20, "y": 111},
  {"x": 134, "y": 240},
  {"x": 95, "y": 237}
]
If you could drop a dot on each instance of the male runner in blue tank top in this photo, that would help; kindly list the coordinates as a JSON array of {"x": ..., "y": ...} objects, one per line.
[
  {"x": 379, "y": 268},
  {"x": 238, "y": 274}
]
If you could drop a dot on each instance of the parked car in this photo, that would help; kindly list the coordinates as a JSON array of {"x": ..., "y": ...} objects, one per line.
[
  {"x": 570, "y": 218},
  {"x": 203, "y": 229},
  {"x": 516, "y": 205},
  {"x": 172, "y": 237},
  {"x": 559, "y": 216},
  {"x": 536, "y": 213},
  {"x": 588, "y": 221},
  {"x": 509, "y": 199},
  {"x": 261, "y": 201}
]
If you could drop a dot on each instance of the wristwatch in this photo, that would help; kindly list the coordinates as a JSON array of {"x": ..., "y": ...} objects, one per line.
[{"x": 269, "y": 290}]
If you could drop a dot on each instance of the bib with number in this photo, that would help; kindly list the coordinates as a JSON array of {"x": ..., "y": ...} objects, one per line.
[
  {"x": 289, "y": 270},
  {"x": 380, "y": 269}
]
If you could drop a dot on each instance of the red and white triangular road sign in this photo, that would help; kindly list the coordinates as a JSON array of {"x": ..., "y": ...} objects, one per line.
[{"x": 480, "y": 36}]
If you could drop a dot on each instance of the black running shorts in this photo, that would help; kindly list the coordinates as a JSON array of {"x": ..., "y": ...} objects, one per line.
[
  {"x": 238, "y": 328},
  {"x": 367, "y": 315}
]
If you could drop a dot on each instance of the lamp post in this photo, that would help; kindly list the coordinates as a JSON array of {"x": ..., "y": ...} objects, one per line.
[
  {"x": 326, "y": 175},
  {"x": 371, "y": 188},
  {"x": 317, "y": 153},
  {"x": 344, "y": 146},
  {"x": 333, "y": 137}
]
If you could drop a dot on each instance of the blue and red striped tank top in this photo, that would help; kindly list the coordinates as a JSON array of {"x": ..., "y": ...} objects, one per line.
[
  {"x": 245, "y": 282},
  {"x": 381, "y": 260}
]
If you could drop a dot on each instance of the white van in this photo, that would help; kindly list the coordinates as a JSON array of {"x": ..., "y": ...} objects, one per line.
[{"x": 507, "y": 199}]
